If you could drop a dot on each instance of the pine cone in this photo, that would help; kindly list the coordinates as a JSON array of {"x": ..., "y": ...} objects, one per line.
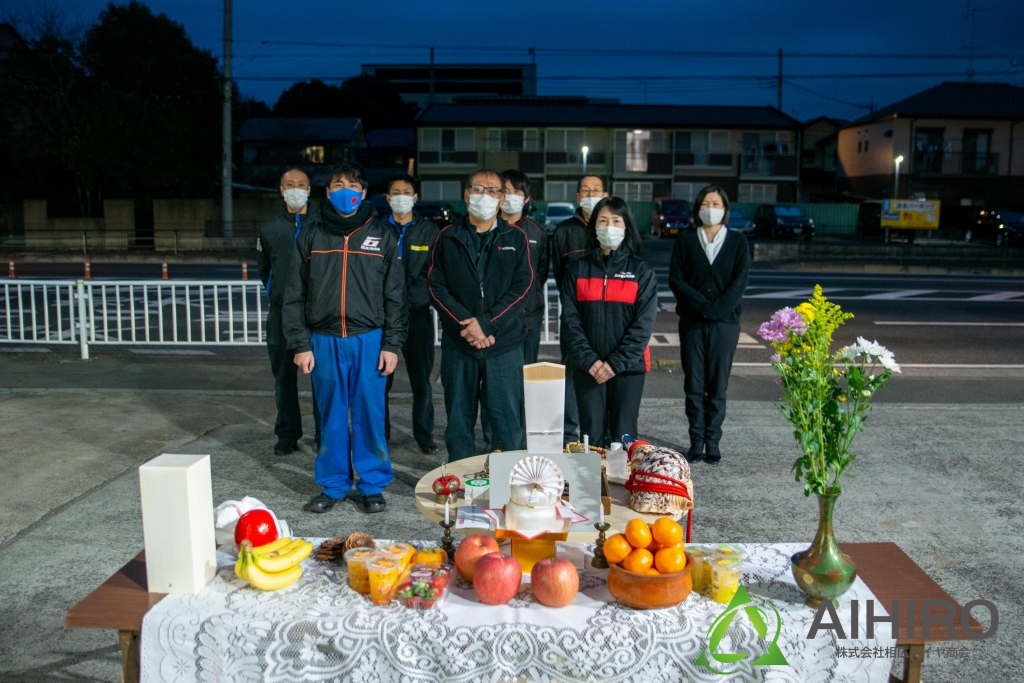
[
  {"x": 359, "y": 540},
  {"x": 331, "y": 549}
]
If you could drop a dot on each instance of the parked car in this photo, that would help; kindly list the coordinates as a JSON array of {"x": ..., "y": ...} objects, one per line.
[
  {"x": 556, "y": 212},
  {"x": 442, "y": 213},
  {"x": 670, "y": 216},
  {"x": 778, "y": 221},
  {"x": 1002, "y": 227},
  {"x": 739, "y": 222}
]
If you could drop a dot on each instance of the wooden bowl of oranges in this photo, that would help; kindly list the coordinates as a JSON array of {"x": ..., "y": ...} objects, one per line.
[{"x": 650, "y": 569}]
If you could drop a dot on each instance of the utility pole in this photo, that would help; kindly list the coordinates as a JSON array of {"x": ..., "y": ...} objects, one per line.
[
  {"x": 780, "y": 79},
  {"x": 431, "y": 74},
  {"x": 973, "y": 11},
  {"x": 226, "y": 204}
]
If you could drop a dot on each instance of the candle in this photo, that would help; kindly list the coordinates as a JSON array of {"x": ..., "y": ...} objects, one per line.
[
  {"x": 447, "y": 512},
  {"x": 586, "y": 443},
  {"x": 601, "y": 510}
]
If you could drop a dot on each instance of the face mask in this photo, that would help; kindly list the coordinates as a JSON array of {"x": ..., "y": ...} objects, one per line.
[
  {"x": 610, "y": 236},
  {"x": 482, "y": 206},
  {"x": 711, "y": 216},
  {"x": 346, "y": 200},
  {"x": 513, "y": 204},
  {"x": 588, "y": 204},
  {"x": 401, "y": 204},
  {"x": 296, "y": 198}
]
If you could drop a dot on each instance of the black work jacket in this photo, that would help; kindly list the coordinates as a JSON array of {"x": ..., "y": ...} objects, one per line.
[
  {"x": 609, "y": 305},
  {"x": 569, "y": 244},
  {"x": 274, "y": 247},
  {"x": 538, "y": 239},
  {"x": 344, "y": 284},
  {"x": 707, "y": 292},
  {"x": 490, "y": 289},
  {"x": 416, "y": 243}
]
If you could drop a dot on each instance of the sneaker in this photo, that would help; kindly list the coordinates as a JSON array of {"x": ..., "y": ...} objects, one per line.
[{"x": 285, "y": 446}]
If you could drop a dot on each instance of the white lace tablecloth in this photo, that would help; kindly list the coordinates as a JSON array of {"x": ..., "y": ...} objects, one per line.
[{"x": 319, "y": 629}]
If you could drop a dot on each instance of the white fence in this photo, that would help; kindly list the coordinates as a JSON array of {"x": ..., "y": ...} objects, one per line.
[{"x": 146, "y": 312}]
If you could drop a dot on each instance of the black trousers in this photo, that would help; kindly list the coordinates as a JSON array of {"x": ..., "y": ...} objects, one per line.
[
  {"x": 465, "y": 378},
  {"x": 571, "y": 420},
  {"x": 531, "y": 345},
  {"x": 609, "y": 409},
  {"x": 288, "y": 425},
  {"x": 707, "y": 352},
  {"x": 418, "y": 352}
]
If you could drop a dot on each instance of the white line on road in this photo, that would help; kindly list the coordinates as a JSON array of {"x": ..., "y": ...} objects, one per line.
[
  {"x": 997, "y": 296},
  {"x": 899, "y": 294},
  {"x": 961, "y": 366},
  {"x": 946, "y": 324}
]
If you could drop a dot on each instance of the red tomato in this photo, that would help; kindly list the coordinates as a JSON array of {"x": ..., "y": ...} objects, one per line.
[{"x": 258, "y": 526}]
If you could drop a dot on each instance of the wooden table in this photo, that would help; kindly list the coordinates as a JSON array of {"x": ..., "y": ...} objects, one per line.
[
  {"x": 122, "y": 601},
  {"x": 468, "y": 467}
]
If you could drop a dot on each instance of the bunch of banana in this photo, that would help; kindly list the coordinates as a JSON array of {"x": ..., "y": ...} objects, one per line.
[{"x": 274, "y": 565}]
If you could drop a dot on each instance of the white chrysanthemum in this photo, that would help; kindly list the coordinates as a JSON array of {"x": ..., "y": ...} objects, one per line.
[
  {"x": 848, "y": 354},
  {"x": 872, "y": 348},
  {"x": 888, "y": 361}
]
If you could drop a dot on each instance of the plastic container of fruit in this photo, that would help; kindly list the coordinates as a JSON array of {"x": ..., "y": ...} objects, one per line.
[
  {"x": 426, "y": 586},
  {"x": 650, "y": 591}
]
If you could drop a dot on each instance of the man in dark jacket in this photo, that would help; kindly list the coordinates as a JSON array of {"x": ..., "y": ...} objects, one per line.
[
  {"x": 480, "y": 274},
  {"x": 569, "y": 243},
  {"x": 515, "y": 212},
  {"x": 274, "y": 248},
  {"x": 416, "y": 237},
  {"x": 345, "y": 320}
]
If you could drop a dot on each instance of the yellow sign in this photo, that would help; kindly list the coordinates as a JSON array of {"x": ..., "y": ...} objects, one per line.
[{"x": 915, "y": 214}]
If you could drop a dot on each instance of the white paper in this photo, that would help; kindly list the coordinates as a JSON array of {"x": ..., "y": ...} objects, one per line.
[{"x": 472, "y": 517}]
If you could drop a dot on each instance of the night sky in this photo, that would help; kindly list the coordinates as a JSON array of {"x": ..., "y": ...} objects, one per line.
[{"x": 598, "y": 32}]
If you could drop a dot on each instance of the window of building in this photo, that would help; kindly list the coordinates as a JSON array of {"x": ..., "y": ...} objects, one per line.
[
  {"x": 557, "y": 191},
  {"x": 866, "y": 143},
  {"x": 687, "y": 191},
  {"x": 859, "y": 146},
  {"x": 513, "y": 140},
  {"x": 638, "y": 146},
  {"x": 565, "y": 146},
  {"x": 757, "y": 193},
  {"x": 313, "y": 154},
  {"x": 447, "y": 145},
  {"x": 634, "y": 192},
  {"x": 441, "y": 190}
]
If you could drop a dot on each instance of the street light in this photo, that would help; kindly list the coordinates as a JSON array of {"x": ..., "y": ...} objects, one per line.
[
  {"x": 585, "y": 150},
  {"x": 896, "y": 188}
]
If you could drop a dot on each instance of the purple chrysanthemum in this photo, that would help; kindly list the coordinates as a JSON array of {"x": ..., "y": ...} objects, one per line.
[
  {"x": 777, "y": 358},
  {"x": 791, "y": 320},
  {"x": 773, "y": 331}
]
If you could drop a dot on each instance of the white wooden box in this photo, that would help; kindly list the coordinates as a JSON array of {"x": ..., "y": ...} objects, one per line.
[
  {"x": 544, "y": 398},
  {"x": 177, "y": 523}
]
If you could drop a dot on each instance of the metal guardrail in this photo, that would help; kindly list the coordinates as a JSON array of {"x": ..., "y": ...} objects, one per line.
[{"x": 157, "y": 312}]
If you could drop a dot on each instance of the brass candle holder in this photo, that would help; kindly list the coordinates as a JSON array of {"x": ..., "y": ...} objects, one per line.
[
  {"x": 599, "y": 561},
  {"x": 446, "y": 543}
]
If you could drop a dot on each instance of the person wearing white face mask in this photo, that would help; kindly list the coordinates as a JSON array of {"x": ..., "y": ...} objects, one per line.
[
  {"x": 609, "y": 307},
  {"x": 515, "y": 211},
  {"x": 708, "y": 274},
  {"x": 480, "y": 277},
  {"x": 569, "y": 244},
  {"x": 416, "y": 237},
  {"x": 273, "y": 256}
]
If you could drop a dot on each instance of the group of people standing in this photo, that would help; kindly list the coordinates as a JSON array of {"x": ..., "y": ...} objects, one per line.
[{"x": 350, "y": 289}]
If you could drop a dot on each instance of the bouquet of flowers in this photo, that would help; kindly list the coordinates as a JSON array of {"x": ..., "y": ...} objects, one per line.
[{"x": 827, "y": 396}]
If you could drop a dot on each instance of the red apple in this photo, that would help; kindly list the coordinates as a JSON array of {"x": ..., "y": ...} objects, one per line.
[
  {"x": 469, "y": 553},
  {"x": 256, "y": 525},
  {"x": 555, "y": 581},
  {"x": 497, "y": 578}
]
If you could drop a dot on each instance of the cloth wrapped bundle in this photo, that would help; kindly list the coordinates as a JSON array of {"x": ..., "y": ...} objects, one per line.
[{"x": 659, "y": 482}]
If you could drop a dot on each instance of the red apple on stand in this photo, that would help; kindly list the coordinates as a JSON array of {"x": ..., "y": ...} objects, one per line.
[
  {"x": 555, "y": 581},
  {"x": 497, "y": 578},
  {"x": 469, "y": 553}
]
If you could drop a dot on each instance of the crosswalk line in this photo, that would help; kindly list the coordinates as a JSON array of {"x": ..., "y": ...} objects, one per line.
[
  {"x": 997, "y": 296},
  {"x": 898, "y": 294},
  {"x": 672, "y": 339}
]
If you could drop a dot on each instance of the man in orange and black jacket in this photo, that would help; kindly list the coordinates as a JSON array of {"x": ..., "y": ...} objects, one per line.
[{"x": 345, "y": 319}]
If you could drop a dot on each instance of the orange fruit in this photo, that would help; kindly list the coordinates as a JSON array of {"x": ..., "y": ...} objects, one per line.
[
  {"x": 670, "y": 560},
  {"x": 617, "y": 548},
  {"x": 654, "y": 546},
  {"x": 667, "y": 532},
  {"x": 653, "y": 572},
  {"x": 638, "y": 533},
  {"x": 639, "y": 561}
]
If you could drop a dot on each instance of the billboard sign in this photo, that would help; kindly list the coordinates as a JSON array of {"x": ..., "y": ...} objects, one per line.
[{"x": 914, "y": 214}]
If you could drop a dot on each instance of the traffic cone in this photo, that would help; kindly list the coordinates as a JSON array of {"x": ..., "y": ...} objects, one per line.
[
  {"x": 10, "y": 270},
  {"x": 165, "y": 276},
  {"x": 245, "y": 270},
  {"x": 88, "y": 271}
]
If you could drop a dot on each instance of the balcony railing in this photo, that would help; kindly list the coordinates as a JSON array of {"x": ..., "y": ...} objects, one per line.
[
  {"x": 448, "y": 157},
  {"x": 784, "y": 165},
  {"x": 703, "y": 159},
  {"x": 955, "y": 163}
]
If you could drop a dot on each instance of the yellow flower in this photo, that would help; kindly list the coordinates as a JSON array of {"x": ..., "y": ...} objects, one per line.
[
  {"x": 806, "y": 309},
  {"x": 835, "y": 371},
  {"x": 842, "y": 399}
]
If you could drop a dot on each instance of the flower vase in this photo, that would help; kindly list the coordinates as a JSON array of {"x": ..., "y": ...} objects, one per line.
[{"x": 823, "y": 571}]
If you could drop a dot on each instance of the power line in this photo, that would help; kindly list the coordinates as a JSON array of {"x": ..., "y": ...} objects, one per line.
[{"x": 659, "y": 78}]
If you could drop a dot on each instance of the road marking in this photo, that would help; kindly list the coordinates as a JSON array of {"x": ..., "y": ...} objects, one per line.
[
  {"x": 899, "y": 294},
  {"x": 940, "y": 366},
  {"x": 672, "y": 339},
  {"x": 787, "y": 294},
  {"x": 997, "y": 296},
  {"x": 248, "y": 414},
  {"x": 172, "y": 352},
  {"x": 947, "y": 324},
  {"x": 24, "y": 349}
]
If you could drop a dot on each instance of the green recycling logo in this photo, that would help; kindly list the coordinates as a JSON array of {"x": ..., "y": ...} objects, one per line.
[{"x": 756, "y": 615}]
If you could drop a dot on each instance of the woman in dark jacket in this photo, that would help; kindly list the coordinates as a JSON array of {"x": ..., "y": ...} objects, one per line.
[
  {"x": 708, "y": 274},
  {"x": 609, "y": 304}
]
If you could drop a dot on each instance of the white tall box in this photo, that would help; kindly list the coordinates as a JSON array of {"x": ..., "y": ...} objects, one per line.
[
  {"x": 544, "y": 397},
  {"x": 177, "y": 522}
]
